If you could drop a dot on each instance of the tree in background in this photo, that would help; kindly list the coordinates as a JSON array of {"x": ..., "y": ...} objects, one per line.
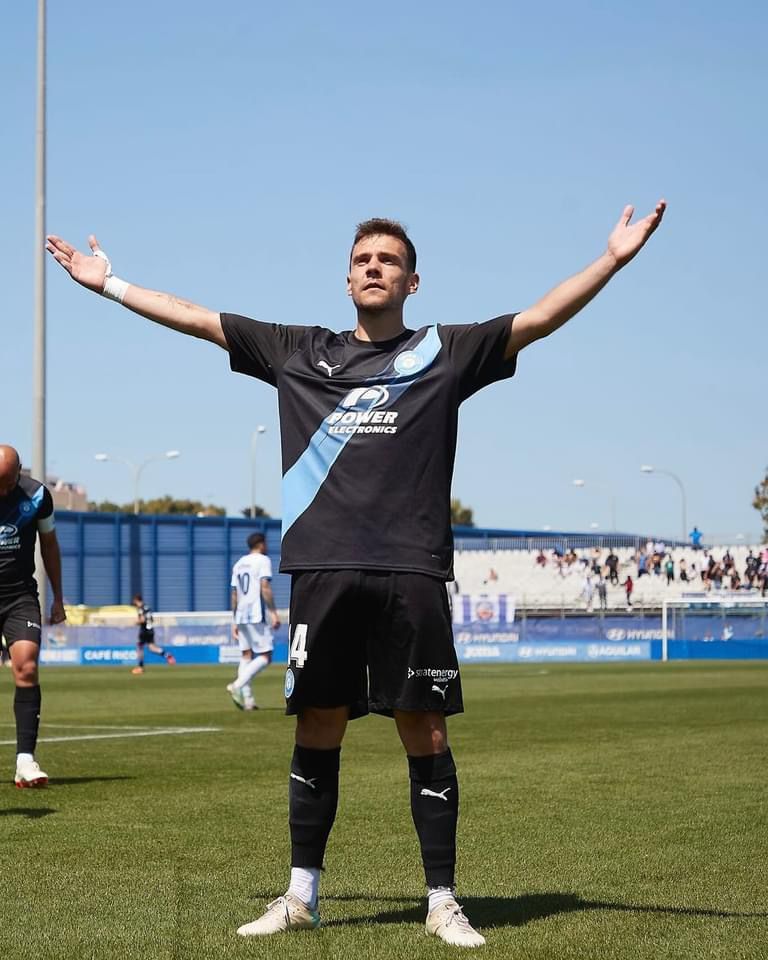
[
  {"x": 461, "y": 516},
  {"x": 166, "y": 504},
  {"x": 258, "y": 511},
  {"x": 760, "y": 503}
]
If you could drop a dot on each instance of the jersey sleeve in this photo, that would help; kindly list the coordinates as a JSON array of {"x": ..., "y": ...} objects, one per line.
[
  {"x": 259, "y": 349},
  {"x": 45, "y": 518},
  {"x": 476, "y": 351},
  {"x": 266, "y": 569}
]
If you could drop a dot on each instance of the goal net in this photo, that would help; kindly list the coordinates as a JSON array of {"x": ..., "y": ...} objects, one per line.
[{"x": 727, "y": 626}]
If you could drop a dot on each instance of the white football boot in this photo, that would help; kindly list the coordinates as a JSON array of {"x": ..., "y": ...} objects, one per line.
[
  {"x": 449, "y": 924},
  {"x": 285, "y": 913},
  {"x": 237, "y": 696},
  {"x": 29, "y": 774}
]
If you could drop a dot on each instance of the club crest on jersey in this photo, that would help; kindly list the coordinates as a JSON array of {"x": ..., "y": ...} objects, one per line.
[
  {"x": 408, "y": 362},
  {"x": 290, "y": 682}
]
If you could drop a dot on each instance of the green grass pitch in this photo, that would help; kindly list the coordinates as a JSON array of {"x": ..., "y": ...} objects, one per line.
[{"x": 607, "y": 811}]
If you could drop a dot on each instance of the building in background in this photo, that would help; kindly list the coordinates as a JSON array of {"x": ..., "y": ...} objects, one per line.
[{"x": 66, "y": 494}]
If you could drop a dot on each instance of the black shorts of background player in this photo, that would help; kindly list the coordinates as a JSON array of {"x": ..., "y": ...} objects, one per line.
[
  {"x": 26, "y": 514},
  {"x": 368, "y": 430},
  {"x": 147, "y": 636}
]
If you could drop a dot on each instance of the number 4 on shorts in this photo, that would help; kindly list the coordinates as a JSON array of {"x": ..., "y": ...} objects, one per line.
[{"x": 298, "y": 652}]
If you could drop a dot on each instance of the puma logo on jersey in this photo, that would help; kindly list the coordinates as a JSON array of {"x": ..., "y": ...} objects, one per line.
[
  {"x": 327, "y": 367},
  {"x": 35, "y": 625},
  {"x": 426, "y": 792},
  {"x": 310, "y": 782},
  {"x": 440, "y": 690}
]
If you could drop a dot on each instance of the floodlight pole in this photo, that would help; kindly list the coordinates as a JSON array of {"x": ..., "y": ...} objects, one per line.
[
  {"x": 647, "y": 468},
  {"x": 38, "y": 375},
  {"x": 256, "y": 433}
]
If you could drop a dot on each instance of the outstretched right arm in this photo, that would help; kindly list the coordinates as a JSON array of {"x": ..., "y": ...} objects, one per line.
[{"x": 92, "y": 271}]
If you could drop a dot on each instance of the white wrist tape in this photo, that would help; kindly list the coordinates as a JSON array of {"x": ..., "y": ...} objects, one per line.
[{"x": 114, "y": 288}]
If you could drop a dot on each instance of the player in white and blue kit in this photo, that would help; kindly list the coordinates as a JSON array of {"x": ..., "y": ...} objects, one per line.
[{"x": 252, "y": 600}]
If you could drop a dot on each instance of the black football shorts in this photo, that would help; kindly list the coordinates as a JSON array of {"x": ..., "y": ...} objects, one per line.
[
  {"x": 20, "y": 618},
  {"x": 374, "y": 641}
]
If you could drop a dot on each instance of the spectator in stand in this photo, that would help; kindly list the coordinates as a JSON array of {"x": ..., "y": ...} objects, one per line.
[
  {"x": 642, "y": 565},
  {"x": 596, "y": 565},
  {"x": 602, "y": 592},
  {"x": 735, "y": 579},
  {"x": 683, "y": 568},
  {"x": 752, "y": 566},
  {"x": 541, "y": 560},
  {"x": 727, "y": 562},
  {"x": 669, "y": 569},
  {"x": 588, "y": 592},
  {"x": 628, "y": 588},
  {"x": 695, "y": 536},
  {"x": 649, "y": 549},
  {"x": 612, "y": 562},
  {"x": 716, "y": 576}
]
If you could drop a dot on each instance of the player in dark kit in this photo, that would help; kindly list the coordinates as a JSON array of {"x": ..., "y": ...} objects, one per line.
[
  {"x": 368, "y": 425},
  {"x": 146, "y": 638},
  {"x": 26, "y": 512}
]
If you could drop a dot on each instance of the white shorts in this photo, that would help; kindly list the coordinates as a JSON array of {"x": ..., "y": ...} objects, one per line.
[{"x": 255, "y": 636}]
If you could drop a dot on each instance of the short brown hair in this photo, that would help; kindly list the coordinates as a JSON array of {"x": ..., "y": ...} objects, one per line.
[{"x": 379, "y": 226}]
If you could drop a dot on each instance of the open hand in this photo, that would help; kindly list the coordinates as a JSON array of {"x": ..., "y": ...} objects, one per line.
[
  {"x": 88, "y": 270},
  {"x": 626, "y": 240}
]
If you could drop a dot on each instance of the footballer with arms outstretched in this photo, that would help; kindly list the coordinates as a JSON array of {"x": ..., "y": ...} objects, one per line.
[{"x": 368, "y": 427}]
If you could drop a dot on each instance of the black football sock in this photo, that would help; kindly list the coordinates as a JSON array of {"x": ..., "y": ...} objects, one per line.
[
  {"x": 313, "y": 795},
  {"x": 26, "y": 707},
  {"x": 435, "y": 810}
]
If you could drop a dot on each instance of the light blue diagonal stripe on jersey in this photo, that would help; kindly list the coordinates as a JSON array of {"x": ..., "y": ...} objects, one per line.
[
  {"x": 30, "y": 513},
  {"x": 302, "y": 482}
]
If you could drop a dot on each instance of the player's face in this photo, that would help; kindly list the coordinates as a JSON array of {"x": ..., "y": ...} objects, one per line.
[{"x": 379, "y": 278}]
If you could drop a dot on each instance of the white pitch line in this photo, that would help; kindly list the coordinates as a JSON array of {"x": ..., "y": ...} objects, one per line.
[
  {"x": 161, "y": 732},
  {"x": 88, "y": 726}
]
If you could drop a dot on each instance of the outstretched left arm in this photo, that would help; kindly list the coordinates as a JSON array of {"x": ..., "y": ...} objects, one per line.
[{"x": 565, "y": 301}]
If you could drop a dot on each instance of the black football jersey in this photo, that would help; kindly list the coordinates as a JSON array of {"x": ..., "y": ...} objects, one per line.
[
  {"x": 20, "y": 511},
  {"x": 368, "y": 434}
]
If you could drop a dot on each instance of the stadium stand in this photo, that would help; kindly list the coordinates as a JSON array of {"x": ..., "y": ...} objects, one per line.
[{"x": 559, "y": 584}]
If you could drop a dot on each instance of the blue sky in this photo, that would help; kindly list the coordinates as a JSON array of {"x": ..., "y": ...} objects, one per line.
[{"x": 225, "y": 152}]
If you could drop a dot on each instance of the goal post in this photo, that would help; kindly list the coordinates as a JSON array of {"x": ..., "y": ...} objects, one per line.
[{"x": 721, "y": 619}]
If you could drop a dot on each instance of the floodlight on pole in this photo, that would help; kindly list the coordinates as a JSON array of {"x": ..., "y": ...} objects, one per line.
[
  {"x": 648, "y": 468},
  {"x": 39, "y": 351},
  {"x": 256, "y": 434},
  {"x": 137, "y": 468}
]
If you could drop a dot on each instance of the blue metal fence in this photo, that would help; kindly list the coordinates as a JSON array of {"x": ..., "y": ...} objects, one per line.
[{"x": 174, "y": 562}]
